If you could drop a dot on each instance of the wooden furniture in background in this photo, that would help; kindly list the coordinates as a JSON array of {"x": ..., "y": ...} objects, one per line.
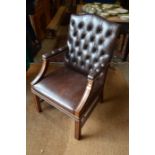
[
  {"x": 48, "y": 16},
  {"x": 54, "y": 24},
  {"x": 41, "y": 18}
]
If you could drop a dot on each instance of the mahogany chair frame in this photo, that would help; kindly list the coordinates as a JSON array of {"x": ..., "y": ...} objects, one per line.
[
  {"x": 78, "y": 117},
  {"x": 82, "y": 111}
]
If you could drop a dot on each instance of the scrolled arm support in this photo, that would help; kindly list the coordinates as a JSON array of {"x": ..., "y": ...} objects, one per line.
[
  {"x": 41, "y": 73},
  {"x": 90, "y": 84},
  {"x": 46, "y": 57},
  {"x": 85, "y": 96}
]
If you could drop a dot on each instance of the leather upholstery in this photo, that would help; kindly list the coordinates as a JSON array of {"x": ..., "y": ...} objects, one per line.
[
  {"x": 54, "y": 52},
  {"x": 57, "y": 86},
  {"x": 64, "y": 86},
  {"x": 90, "y": 42}
]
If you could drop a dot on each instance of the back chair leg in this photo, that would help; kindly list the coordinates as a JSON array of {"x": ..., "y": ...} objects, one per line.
[
  {"x": 101, "y": 97},
  {"x": 37, "y": 103},
  {"x": 78, "y": 129}
]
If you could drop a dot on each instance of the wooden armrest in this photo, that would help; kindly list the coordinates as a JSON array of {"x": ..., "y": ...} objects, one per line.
[
  {"x": 84, "y": 97},
  {"x": 55, "y": 22},
  {"x": 45, "y": 63},
  {"x": 41, "y": 73},
  {"x": 91, "y": 79},
  {"x": 54, "y": 53}
]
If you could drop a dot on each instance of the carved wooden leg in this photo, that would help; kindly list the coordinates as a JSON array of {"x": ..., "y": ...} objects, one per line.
[
  {"x": 78, "y": 129},
  {"x": 37, "y": 103}
]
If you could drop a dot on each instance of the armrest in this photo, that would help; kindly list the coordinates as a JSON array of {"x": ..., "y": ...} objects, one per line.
[
  {"x": 54, "y": 53},
  {"x": 95, "y": 75},
  {"x": 91, "y": 79},
  {"x": 41, "y": 73},
  {"x": 85, "y": 96},
  {"x": 45, "y": 63}
]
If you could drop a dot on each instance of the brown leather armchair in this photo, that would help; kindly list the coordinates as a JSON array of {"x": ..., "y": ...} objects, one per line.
[{"x": 76, "y": 88}]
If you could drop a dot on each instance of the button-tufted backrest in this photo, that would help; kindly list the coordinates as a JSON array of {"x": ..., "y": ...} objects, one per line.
[{"x": 91, "y": 41}]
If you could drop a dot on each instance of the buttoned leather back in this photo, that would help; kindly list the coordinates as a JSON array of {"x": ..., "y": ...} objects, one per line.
[{"x": 91, "y": 42}]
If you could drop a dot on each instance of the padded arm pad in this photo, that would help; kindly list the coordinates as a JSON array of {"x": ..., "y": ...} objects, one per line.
[
  {"x": 54, "y": 52},
  {"x": 95, "y": 75}
]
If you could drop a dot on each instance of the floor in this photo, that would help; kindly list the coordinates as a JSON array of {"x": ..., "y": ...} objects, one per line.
[{"x": 105, "y": 132}]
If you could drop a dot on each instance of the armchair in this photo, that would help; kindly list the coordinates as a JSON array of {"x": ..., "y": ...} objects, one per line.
[{"x": 76, "y": 88}]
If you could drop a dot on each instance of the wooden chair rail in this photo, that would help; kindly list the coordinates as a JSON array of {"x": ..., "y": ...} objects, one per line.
[
  {"x": 54, "y": 104},
  {"x": 88, "y": 112}
]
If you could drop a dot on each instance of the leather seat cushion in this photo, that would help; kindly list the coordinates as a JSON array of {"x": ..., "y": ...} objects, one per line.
[{"x": 63, "y": 86}]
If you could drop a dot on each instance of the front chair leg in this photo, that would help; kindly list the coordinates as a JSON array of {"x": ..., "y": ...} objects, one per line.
[
  {"x": 78, "y": 129},
  {"x": 37, "y": 103}
]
